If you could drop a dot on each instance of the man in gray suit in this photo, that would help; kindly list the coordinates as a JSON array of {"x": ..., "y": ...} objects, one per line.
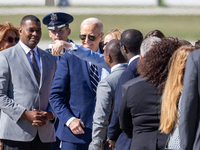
[
  {"x": 189, "y": 127},
  {"x": 105, "y": 95},
  {"x": 25, "y": 81}
]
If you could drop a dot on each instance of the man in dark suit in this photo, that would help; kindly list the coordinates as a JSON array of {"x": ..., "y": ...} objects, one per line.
[
  {"x": 130, "y": 46},
  {"x": 25, "y": 81},
  {"x": 189, "y": 127},
  {"x": 73, "y": 94}
]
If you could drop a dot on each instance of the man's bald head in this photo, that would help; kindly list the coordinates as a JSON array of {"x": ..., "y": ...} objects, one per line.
[
  {"x": 113, "y": 51},
  {"x": 131, "y": 39}
]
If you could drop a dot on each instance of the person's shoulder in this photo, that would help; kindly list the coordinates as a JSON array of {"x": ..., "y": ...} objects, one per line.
[
  {"x": 133, "y": 64},
  {"x": 112, "y": 78},
  {"x": 9, "y": 51},
  {"x": 133, "y": 81},
  {"x": 195, "y": 52},
  {"x": 194, "y": 55}
]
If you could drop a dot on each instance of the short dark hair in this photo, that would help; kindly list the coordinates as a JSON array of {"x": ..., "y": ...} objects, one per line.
[
  {"x": 131, "y": 39},
  {"x": 113, "y": 49},
  {"x": 29, "y": 17}
]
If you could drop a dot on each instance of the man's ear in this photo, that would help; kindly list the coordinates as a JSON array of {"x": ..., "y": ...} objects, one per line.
[
  {"x": 69, "y": 31},
  {"x": 20, "y": 30},
  {"x": 110, "y": 60},
  {"x": 101, "y": 36},
  {"x": 124, "y": 49},
  {"x": 50, "y": 34}
]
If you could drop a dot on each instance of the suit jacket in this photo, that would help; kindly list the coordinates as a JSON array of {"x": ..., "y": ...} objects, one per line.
[
  {"x": 139, "y": 115},
  {"x": 189, "y": 127},
  {"x": 72, "y": 96},
  {"x": 104, "y": 106},
  {"x": 114, "y": 131},
  {"x": 19, "y": 91}
]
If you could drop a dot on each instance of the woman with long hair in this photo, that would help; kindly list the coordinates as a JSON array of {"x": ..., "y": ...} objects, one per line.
[{"x": 172, "y": 95}]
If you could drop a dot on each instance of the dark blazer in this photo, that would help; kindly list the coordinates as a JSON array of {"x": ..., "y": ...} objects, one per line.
[
  {"x": 114, "y": 132},
  {"x": 71, "y": 95},
  {"x": 189, "y": 126},
  {"x": 139, "y": 115}
]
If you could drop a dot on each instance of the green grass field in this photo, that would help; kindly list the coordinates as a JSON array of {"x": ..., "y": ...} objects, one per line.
[{"x": 183, "y": 27}]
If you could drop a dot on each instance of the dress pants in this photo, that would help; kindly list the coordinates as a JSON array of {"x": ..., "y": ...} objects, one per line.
[
  {"x": 74, "y": 146},
  {"x": 36, "y": 144}
]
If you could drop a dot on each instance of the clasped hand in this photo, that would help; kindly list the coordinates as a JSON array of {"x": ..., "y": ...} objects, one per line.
[{"x": 38, "y": 118}]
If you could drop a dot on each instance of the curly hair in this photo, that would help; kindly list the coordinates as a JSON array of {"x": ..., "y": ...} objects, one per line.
[
  {"x": 173, "y": 89},
  {"x": 154, "y": 65}
]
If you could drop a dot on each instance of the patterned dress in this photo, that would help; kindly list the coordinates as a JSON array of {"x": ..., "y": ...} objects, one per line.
[{"x": 174, "y": 137}]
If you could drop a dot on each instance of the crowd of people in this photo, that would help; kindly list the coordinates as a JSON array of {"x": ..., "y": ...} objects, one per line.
[{"x": 121, "y": 91}]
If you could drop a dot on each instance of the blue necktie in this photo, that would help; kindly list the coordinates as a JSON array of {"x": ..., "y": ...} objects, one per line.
[
  {"x": 94, "y": 77},
  {"x": 36, "y": 69}
]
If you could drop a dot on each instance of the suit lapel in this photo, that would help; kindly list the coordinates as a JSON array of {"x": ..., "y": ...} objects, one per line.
[
  {"x": 86, "y": 74},
  {"x": 24, "y": 60}
]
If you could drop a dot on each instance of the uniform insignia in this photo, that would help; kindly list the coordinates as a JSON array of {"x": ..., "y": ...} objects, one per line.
[{"x": 54, "y": 17}]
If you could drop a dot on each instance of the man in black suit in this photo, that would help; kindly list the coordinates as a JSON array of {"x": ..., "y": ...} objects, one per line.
[{"x": 131, "y": 40}]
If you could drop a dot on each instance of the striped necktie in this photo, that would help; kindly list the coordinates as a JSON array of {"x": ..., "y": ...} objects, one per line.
[
  {"x": 94, "y": 77},
  {"x": 36, "y": 69}
]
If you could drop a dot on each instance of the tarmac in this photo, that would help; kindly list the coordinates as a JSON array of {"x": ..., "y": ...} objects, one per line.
[{"x": 132, "y": 10}]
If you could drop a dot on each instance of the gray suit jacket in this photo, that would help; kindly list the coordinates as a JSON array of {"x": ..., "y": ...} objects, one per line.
[
  {"x": 19, "y": 91},
  {"x": 104, "y": 106},
  {"x": 189, "y": 127}
]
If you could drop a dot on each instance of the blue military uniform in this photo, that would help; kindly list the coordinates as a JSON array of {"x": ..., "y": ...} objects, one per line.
[{"x": 57, "y": 20}]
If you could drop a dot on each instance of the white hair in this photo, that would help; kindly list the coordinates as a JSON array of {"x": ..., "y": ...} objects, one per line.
[
  {"x": 147, "y": 45},
  {"x": 89, "y": 21}
]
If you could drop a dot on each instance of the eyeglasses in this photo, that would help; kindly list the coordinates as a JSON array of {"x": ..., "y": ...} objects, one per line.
[
  {"x": 90, "y": 37},
  {"x": 11, "y": 39}
]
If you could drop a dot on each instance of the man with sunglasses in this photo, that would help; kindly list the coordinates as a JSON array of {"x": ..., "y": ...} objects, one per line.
[
  {"x": 131, "y": 50},
  {"x": 73, "y": 93}
]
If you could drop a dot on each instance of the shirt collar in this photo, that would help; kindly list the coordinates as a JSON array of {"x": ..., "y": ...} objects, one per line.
[
  {"x": 26, "y": 48},
  {"x": 117, "y": 65},
  {"x": 133, "y": 58}
]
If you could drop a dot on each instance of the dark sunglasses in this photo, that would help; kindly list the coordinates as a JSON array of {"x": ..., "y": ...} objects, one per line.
[
  {"x": 11, "y": 39},
  {"x": 90, "y": 37}
]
